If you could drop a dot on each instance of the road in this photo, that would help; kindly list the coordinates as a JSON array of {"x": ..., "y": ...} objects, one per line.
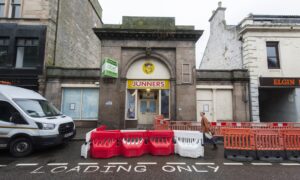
[{"x": 64, "y": 162}]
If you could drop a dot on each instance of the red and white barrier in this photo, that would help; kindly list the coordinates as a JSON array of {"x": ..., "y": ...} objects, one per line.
[{"x": 135, "y": 143}]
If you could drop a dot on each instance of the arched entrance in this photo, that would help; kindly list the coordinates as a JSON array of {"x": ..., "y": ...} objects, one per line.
[{"x": 148, "y": 91}]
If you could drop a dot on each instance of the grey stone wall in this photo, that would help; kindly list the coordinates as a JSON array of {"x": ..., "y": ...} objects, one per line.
[{"x": 77, "y": 45}]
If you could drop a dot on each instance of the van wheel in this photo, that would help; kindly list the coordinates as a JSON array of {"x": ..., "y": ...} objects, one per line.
[{"x": 20, "y": 147}]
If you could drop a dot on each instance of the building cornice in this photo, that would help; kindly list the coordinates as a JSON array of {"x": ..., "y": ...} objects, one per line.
[
  {"x": 147, "y": 34},
  {"x": 269, "y": 28}
]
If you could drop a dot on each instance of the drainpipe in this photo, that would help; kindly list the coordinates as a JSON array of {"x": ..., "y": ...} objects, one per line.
[{"x": 56, "y": 29}]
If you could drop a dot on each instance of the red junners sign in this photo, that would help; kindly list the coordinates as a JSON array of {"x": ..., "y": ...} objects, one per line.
[
  {"x": 280, "y": 82},
  {"x": 5, "y": 83}
]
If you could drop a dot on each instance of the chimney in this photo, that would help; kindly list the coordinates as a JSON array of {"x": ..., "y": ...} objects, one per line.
[{"x": 219, "y": 13}]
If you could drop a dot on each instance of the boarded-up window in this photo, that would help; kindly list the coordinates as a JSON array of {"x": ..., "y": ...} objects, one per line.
[{"x": 224, "y": 105}]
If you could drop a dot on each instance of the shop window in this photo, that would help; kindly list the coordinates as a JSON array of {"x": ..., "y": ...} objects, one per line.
[
  {"x": 186, "y": 73},
  {"x": 27, "y": 53},
  {"x": 81, "y": 103},
  {"x": 4, "y": 61},
  {"x": 273, "y": 55},
  {"x": 2, "y": 8},
  {"x": 165, "y": 103},
  {"x": 15, "y": 8},
  {"x": 131, "y": 104}
]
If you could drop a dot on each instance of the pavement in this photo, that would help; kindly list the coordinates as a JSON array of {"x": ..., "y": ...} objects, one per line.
[
  {"x": 80, "y": 133},
  {"x": 64, "y": 162}
]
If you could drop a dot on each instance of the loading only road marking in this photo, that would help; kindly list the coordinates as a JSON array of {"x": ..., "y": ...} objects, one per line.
[
  {"x": 233, "y": 164},
  {"x": 147, "y": 163},
  {"x": 205, "y": 163},
  {"x": 57, "y": 164},
  {"x": 262, "y": 164},
  {"x": 290, "y": 164},
  {"x": 176, "y": 163},
  {"x": 2, "y": 165},
  {"x": 87, "y": 164},
  {"x": 136, "y": 167},
  {"x": 117, "y": 163},
  {"x": 27, "y": 164}
]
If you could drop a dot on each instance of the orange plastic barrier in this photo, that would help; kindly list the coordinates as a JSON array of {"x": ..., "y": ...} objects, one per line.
[
  {"x": 160, "y": 123},
  {"x": 268, "y": 139},
  {"x": 239, "y": 139},
  {"x": 269, "y": 144},
  {"x": 266, "y": 143},
  {"x": 239, "y": 143},
  {"x": 292, "y": 144},
  {"x": 161, "y": 142}
]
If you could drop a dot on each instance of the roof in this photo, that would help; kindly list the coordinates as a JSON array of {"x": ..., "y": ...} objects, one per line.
[
  {"x": 275, "y": 18},
  {"x": 13, "y": 92}
]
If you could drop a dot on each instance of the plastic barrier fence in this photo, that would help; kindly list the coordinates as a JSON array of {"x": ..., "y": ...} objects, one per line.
[
  {"x": 292, "y": 144},
  {"x": 85, "y": 148},
  {"x": 135, "y": 143},
  {"x": 217, "y": 127},
  {"x": 160, "y": 123},
  {"x": 269, "y": 144},
  {"x": 239, "y": 143},
  {"x": 105, "y": 144},
  {"x": 189, "y": 144},
  {"x": 161, "y": 142},
  {"x": 262, "y": 143}
]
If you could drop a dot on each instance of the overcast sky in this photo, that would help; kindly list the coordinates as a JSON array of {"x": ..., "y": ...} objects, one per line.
[{"x": 195, "y": 12}]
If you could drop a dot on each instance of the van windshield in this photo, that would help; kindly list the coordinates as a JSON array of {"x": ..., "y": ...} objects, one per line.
[{"x": 37, "y": 108}]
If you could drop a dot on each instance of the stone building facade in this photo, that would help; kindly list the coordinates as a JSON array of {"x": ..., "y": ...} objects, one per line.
[
  {"x": 156, "y": 72},
  {"x": 49, "y": 46},
  {"x": 267, "y": 46}
]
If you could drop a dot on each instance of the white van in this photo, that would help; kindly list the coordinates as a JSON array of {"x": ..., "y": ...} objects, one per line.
[{"x": 28, "y": 121}]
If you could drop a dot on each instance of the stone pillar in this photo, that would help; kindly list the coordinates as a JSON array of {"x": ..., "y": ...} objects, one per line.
[{"x": 251, "y": 63}]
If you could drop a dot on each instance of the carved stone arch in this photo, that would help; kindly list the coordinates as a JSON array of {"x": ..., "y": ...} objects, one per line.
[{"x": 153, "y": 55}]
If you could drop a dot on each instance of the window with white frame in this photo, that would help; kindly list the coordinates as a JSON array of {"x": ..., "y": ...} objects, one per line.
[
  {"x": 15, "y": 8},
  {"x": 81, "y": 103},
  {"x": 2, "y": 8}
]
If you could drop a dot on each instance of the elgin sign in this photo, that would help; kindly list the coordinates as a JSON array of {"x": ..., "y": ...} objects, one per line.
[{"x": 280, "y": 82}]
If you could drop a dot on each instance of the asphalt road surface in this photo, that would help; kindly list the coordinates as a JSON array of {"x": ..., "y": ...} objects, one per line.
[{"x": 64, "y": 162}]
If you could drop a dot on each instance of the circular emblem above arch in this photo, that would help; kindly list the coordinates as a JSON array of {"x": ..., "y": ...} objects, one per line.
[{"x": 148, "y": 69}]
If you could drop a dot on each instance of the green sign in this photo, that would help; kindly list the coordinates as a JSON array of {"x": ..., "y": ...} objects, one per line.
[{"x": 109, "y": 68}]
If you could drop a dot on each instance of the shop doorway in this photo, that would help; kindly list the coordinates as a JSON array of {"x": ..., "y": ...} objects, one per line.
[{"x": 148, "y": 106}]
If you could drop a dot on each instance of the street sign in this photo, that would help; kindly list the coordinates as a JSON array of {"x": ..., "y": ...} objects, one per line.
[{"x": 109, "y": 68}]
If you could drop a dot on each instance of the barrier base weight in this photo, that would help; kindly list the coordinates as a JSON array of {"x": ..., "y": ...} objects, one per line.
[
  {"x": 293, "y": 155},
  {"x": 240, "y": 155},
  {"x": 271, "y": 156}
]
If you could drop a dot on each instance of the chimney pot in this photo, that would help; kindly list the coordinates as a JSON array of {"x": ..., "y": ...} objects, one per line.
[{"x": 220, "y": 4}]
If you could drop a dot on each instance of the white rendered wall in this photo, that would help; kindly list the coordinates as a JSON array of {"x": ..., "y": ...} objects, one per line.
[{"x": 223, "y": 50}]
